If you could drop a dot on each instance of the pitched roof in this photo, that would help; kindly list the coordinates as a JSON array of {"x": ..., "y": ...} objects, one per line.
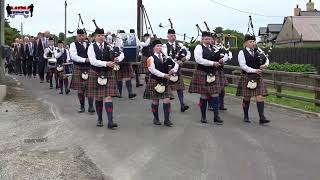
[
  {"x": 274, "y": 28},
  {"x": 309, "y": 13},
  {"x": 308, "y": 27},
  {"x": 262, "y": 31}
]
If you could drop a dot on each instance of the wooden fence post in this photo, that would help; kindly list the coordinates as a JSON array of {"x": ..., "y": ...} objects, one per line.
[
  {"x": 278, "y": 78},
  {"x": 317, "y": 93}
]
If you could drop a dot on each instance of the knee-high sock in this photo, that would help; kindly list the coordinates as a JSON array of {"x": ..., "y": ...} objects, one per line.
[
  {"x": 90, "y": 102},
  {"x": 214, "y": 103},
  {"x": 260, "y": 107},
  {"x": 109, "y": 110},
  {"x": 210, "y": 105},
  {"x": 203, "y": 107},
  {"x": 246, "y": 105},
  {"x": 81, "y": 99},
  {"x": 155, "y": 111},
  {"x": 129, "y": 86},
  {"x": 66, "y": 83},
  {"x": 119, "y": 84},
  {"x": 221, "y": 98},
  {"x": 61, "y": 84},
  {"x": 166, "y": 110},
  {"x": 181, "y": 97},
  {"x": 99, "y": 108}
]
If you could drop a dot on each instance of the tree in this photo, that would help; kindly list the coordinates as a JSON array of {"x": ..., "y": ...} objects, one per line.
[
  {"x": 10, "y": 33},
  {"x": 61, "y": 36},
  {"x": 70, "y": 39},
  {"x": 239, "y": 35}
]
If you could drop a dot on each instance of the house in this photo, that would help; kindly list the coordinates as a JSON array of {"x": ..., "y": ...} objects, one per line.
[
  {"x": 299, "y": 31},
  {"x": 273, "y": 30},
  {"x": 310, "y": 10}
]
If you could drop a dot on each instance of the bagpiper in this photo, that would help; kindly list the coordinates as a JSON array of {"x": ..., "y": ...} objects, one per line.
[
  {"x": 180, "y": 54},
  {"x": 102, "y": 84},
  {"x": 252, "y": 61},
  {"x": 206, "y": 80},
  {"x": 50, "y": 56},
  {"x": 81, "y": 66},
  {"x": 161, "y": 71}
]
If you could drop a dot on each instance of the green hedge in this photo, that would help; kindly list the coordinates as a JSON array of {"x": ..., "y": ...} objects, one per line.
[{"x": 292, "y": 67}]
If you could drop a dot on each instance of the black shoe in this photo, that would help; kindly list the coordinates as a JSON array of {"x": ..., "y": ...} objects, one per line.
[
  {"x": 263, "y": 120},
  {"x": 156, "y": 122},
  {"x": 48, "y": 81},
  {"x": 100, "y": 123},
  {"x": 223, "y": 109},
  {"x": 246, "y": 119},
  {"x": 184, "y": 108},
  {"x": 61, "y": 92},
  {"x": 51, "y": 87},
  {"x": 91, "y": 110},
  {"x": 57, "y": 87},
  {"x": 218, "y": 120},
  {"x": 204, "y": 121},
  {"x": 168, "y": 123},
  {"x": 81, "y": 110},
  {"x": 132, "y": 96},
  {"x": 112, "y": 125},
  {"x": 41, "y": 81},
  {"x": 67, "y": 91},
  {"x": 138, "y": 85},
  {"x": 34, "y": 76}
]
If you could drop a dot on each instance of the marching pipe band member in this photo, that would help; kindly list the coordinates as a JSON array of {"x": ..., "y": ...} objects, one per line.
[
  {"x": 81, "y": 66},
  {"x": 102, "y": 81},
  {"x": 125, "y": 73},
  {"x": 146, "y": 51},
  {"x": 252, "y": 63},
  {"x": 62, "y": 56},
  {"x": 179, "y": 53},
  {"x": 49, "y": 54},
  {"x": 140, "y": 46},
  {"x": 206, "y": 80},
  {"x": 219, "y": 52},
  {"x": 157, "y": 87}
]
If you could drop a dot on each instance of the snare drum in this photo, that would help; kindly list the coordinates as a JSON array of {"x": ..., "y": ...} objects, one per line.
[
  {"x": 52, "y": 63},
  {"x": 67, "y": 68}
]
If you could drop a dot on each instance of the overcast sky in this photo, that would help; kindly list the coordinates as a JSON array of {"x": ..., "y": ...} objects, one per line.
[{"x": 121, "y": 14}]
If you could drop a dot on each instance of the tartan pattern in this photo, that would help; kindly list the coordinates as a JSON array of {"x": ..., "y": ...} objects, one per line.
[
  {"x": 223, "y": 80},
  {"x": 126, "y": 71},
  {"x": 77, "y": 83},
  {"x": 179, "y": 85},
  {"x": 242, "y": 89},
  {"x": 199, "y": 84},
  {"x": 151, "y": 94},
  {"x": 97, "y": 91},
  {"x": 143, "y": 69}
]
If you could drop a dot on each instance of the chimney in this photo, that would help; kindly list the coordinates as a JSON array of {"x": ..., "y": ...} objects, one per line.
[
  {"x": 310, "y": 6},
  {"x": 297, "y": 11}
]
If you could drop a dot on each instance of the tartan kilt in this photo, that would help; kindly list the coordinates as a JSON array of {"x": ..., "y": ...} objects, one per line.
[
  {"x": 242, "y": 89},
  {"x": 223, "y": 80},
  {"x": 143, "y": 69},
  {"x": 77, "y": 83},
  {"x": 97, "y": 91},
  {"x": 179, "y": 85},
  {"x": 125, "y": 71},
  {"x": 150, "y": 92},
  {"x": 199, "y": 83},
  {"x": 60, "y": 74},
  {"x": 52, "y": 70}
]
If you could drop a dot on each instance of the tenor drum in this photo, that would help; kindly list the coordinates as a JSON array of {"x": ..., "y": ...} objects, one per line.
[{"x": 67, "y": 68}]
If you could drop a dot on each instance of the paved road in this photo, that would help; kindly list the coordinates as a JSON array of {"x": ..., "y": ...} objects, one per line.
[{"x": 287, "y": 149}]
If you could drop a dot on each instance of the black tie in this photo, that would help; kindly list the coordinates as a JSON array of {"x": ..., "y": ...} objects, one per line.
[{"x": 251, "y": 52}]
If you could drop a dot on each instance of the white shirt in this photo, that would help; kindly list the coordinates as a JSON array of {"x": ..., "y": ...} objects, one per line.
[
  {"x": 74, "y": 54},
  {"x": 51, "y": 49},
  {"x": 154, "y": 71},
  {"x": 97, "y": 62},
  {"x": 143, "y": 44},
  {"x": 59, "y": 54},
  {"x": 242, "y": 62},
  {"x": 164, "y": 49},
  {"x": 199, "y": 59}
]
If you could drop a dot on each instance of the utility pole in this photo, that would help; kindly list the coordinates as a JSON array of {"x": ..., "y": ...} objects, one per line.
[
  {"x": 139, "y": 19},
  {"x": 2, "y": 10},
  {"x": 65, "y": 21},
  {"x": 21, "y": 29}
]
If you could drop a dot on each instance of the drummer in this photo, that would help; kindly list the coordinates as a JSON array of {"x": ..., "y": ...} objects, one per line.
[
  {"x": 62, "y": 58},
  {"x": 49, "y": 53}
]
